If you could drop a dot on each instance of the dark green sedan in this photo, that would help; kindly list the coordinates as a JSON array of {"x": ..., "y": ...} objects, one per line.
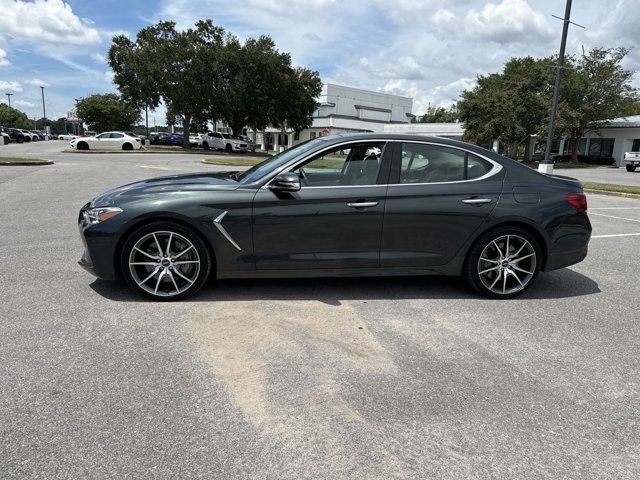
[{"x": 342, "y": 205}]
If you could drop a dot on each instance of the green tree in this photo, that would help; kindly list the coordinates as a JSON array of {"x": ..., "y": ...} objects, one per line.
[
  {"x": 594, "y": 88},
  {"x": 179, "y": 68},
  {"x": 441, "y": 115},
  {"x": 509, "y": 106},
  {"x": 12, "y": 117},
  {"x": 107, "y": 112}
]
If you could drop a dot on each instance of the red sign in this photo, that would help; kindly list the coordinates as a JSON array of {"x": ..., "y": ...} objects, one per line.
[{"x": 324, "y": 132}]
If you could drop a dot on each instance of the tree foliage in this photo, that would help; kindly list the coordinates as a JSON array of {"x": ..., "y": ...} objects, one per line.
[
  {"x": 205, "y": 74},
  {"x": 12, "y": 117},
  {"x": 107, "y": 112},
  {"x": 595, "y": 88},
  {"x": 514, "y": 104},
  {"x": 509, "y": 106},
  {"x": 441, "y": 115}
]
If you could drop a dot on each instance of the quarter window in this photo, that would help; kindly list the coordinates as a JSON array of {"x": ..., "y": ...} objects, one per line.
[
  {"x": 117, "y": 135},
  {"x": 423, "y": 163},
  {"x": 343, "y": 166}
]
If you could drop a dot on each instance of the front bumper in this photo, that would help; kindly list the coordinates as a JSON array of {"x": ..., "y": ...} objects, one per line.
[{"x": 99, "y": 243}]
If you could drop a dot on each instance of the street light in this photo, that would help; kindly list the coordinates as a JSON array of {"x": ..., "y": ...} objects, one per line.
[
  {"x": 9, "y": 95},
  {"x": 44, "y": 114}
]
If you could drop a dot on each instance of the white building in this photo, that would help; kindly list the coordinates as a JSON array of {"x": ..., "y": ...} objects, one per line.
[
  {"x": 344, "y": 109},
  {"x": 454, "y": 131}
]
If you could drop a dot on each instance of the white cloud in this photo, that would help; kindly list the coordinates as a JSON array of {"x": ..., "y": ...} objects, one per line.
[
  {"x": 507, "y": 22},
  {"x": 37, "y": 82},
  {"x": 51, "y": 21},
  {"x": 12, "y": 86},
  {"x": 4, "y": 62},
  {"x": 98, "y": 58},
  {"x": 24, "y": 103}
]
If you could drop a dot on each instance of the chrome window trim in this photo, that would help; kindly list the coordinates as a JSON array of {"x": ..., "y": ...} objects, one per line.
[{"x": 497, "y": 168}]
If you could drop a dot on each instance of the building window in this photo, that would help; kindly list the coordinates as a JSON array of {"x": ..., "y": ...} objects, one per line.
[
  {"x": 601, "y": 147},
  {"x": 582, "y": 146},
  {"x": 296, "y": 136},
  {"x": 636, "y": 145},
  {"x": 312, "y": 135}
]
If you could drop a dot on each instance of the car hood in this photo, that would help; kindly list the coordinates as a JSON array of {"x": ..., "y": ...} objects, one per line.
[{"x": 161, "y": 186}]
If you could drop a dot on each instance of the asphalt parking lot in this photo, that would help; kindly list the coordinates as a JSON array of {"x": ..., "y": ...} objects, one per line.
[{"x": 331, "y": 378}]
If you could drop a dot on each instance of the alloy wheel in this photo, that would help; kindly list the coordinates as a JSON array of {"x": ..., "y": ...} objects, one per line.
[
  {"x": 164, "y": 263},
  {"x": 507, "y": 264}
]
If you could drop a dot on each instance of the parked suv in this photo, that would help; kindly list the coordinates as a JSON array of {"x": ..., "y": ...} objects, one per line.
[
  {"x": 16, "y": 135},
  {"x": 223, "y": 141}
]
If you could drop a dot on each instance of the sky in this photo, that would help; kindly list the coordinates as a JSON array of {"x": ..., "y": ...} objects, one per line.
[{"x": 430, "y": 50}]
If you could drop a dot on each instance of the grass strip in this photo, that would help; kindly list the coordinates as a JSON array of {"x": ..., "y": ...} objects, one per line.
[{"x": 24, "y": 161}]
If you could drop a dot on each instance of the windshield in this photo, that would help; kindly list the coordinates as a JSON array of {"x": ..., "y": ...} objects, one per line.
[
  {"x": 224, "y": 135},
  {"x": 258, "y": 171}
]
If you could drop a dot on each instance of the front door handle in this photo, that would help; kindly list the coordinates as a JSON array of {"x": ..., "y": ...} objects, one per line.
[
  {"x": 477, "y": 201},
  {"x": 361, "y": 204}
]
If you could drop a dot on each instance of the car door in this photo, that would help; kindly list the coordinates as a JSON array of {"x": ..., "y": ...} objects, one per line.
[
  {"x": 334, "y": 221},
  {"x": 101, "y": 141},
  {"x": 438, "y": 196},
  {"x": 116, "y": 140}
]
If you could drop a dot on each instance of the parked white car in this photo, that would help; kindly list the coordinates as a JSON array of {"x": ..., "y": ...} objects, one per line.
[
  {"x": 195, "y": 139},
  {"x": 108, "y": 141},
  {"x": 631, "y": 160},
  {"x": 33, "y": 137},
  {"x": 223, "y": 141},
  {"x": 250, "y": 143},
  {"x": 67, "y": 136},
  {"x": 6, "y": 139}
]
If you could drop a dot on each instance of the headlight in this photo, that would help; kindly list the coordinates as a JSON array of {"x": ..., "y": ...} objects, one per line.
[{"x": 92, "y": 216}]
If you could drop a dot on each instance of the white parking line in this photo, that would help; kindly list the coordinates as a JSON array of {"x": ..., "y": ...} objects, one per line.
[
  {"x": 616, "y": 235},
  {"x": 619, "y": 218},
  {"x": 162, "y": 168},
  {"x": 614, "y": 208}
]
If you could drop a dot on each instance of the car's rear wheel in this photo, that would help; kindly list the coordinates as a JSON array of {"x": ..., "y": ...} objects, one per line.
[
  {"x": 82, "y": 146},
  {"x": 205, "y": 145},
  {"x": 503, "y": 263},
  {"x": 165, "y": 261},
  {"x": 127, "y": 146},
  {"x": 631, "y": 168}
]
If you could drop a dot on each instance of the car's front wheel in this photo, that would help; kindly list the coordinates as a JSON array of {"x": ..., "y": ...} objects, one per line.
[
  {"x": 631, "y": 168},
  {"x": 503, "y": 263},
  {"x": 165, "y": 261}
]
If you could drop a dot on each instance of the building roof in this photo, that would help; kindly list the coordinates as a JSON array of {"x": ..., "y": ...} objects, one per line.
[
  {"x": 632, "y": 121},
  {"x": 436, "y": 129}
]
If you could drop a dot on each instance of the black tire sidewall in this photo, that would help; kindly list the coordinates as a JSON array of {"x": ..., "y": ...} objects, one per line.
[
  {"x": 471, "y": 271},
  {"x": 194, "y": 238}
]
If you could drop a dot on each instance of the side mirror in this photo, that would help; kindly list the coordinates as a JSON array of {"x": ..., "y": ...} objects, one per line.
[{"x": 286, "y": 182}]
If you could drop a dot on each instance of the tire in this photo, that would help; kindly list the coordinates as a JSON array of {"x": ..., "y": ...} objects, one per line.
[
  {"x": 82, "y": 146},
  {"x": 127, "y": 146},
  {"x": 205, "y": 145},
  {"x": 228, "y": 147},
  {"x": 631, "y": 168},
  {"x": 161, "y": 278},
  {"x": 20, "y": 140},
  {"x": 487, "y": 276}
]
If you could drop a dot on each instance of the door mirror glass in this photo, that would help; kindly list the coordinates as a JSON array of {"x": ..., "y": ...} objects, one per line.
[{"x": 286, "y": 182}]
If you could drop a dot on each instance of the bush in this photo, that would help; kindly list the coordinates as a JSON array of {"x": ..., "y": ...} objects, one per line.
[{"x": 590, "y": 159}]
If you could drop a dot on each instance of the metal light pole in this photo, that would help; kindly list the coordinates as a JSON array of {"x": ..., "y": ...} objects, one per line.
[
  {"x": 9, "y": 95},
  {"x": 44, "y": 114},
  {"x": 546, "y": 166}
]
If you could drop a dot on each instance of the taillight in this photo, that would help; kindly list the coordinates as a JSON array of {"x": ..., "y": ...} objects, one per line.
[{"x": 578, "y": 200}]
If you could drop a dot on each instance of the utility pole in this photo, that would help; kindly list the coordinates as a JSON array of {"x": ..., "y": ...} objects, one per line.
[
  {"x": 146, "y": 119},
  {"x": 9, "y": 95},
  {"x": 44, "y": 113},
  {"x": 546, "y": 166}
]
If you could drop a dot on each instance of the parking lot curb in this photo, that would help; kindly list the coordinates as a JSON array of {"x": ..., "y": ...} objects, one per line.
[
  {"x": 613, "y": 194},
  {"x": 164, "y": 152},
  {"x": 26, "y": 163}
]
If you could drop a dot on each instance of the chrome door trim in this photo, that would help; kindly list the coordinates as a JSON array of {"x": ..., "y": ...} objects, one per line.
[{"x": 218, "y": 224}]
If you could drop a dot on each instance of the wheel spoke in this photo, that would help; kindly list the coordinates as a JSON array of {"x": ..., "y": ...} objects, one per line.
[
  {"x": 174, "y": 281},
  {"x": 520, "y": 249},
  {"x": 506, "y": 252},
  {"x": 495, "y": 281},
  {"x": 183, "y": 276},
  {"x": 169, "y": 244},
  {"x": 145, "y": 253},
  {"x": 511, "y": 272},
  {"x": 157, "y": 245},
  {"x": 515, "y": 267},
  {"x": 516, "y": 260},
  {"x": 497, "y": 262},
  {"x": 185, "y": 262},
  {"x": 497, "y": 248},
  {"x": 489, "y": 270},
  {"x": 183, "y": 252},
  {"x": 504, "y": 281},
  {"x": 143, "y": 263},
  {"x": 155, "y": 291},
  {"x": 150, "y": 275}
]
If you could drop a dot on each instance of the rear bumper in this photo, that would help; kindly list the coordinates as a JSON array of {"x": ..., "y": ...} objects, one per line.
[{"x": 570, "y": 243}]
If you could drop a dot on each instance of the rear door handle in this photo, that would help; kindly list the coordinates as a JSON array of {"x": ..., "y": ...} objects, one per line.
[
  {"x": 477, "y": 201},
  {"x": 361, "y": 204}
]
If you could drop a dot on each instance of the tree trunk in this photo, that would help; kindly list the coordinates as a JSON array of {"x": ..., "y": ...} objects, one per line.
[
  {"x": 186, "y": 122},
  {"x": 574, "y": 149}
]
